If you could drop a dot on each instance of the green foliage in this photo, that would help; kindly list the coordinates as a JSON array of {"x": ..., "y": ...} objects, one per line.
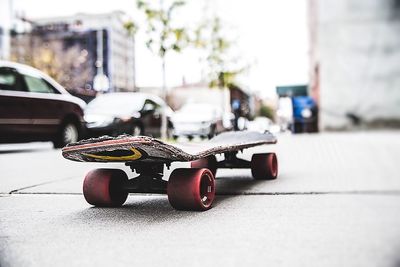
[
  {"x": 266, "y": 111},
  {"x": 162, "y": 35},
  {"x": 69, "y": 66},
  {"x": 222, "y": 72},
  {"x": 131, "y": 27}
]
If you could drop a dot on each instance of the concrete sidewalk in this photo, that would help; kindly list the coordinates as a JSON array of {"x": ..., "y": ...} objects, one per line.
[{"x": 335, "y": 202}]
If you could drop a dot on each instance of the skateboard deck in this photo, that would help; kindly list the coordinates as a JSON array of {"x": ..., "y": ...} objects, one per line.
[{"x": 138, "y": 149}]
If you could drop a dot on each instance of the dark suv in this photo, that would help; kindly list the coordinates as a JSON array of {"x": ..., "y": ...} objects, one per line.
[{"x": 34, "y": 107}]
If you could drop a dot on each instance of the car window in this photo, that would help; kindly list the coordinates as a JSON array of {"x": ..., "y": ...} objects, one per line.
[
  {"x": 9, "y": 80},
  {"x": 115, "y": 103},
  {"x": 158, "y": 106},
  {"x": 149, "y": 105},
  {"x": 38, "y": 85}
]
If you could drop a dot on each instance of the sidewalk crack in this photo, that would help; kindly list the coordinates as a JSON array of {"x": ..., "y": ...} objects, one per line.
[
  {"x": 350, "y": 192},
  {"x": 365, "y": 192},
  {"x": 15, "y": 191}
]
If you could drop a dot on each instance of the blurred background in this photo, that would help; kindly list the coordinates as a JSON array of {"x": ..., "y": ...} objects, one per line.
[
  {"x": 191, "y": 69},
  {"x": 322, "y": 75}
]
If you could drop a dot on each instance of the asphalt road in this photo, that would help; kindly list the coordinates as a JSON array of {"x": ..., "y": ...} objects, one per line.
[{"x": 336, "y": 202}]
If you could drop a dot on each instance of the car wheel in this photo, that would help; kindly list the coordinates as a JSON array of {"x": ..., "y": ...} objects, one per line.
[
  {"x": 69, "y": 133},
  {"x": 170, "y": 132},
  {"x": 211, "y": 134}
]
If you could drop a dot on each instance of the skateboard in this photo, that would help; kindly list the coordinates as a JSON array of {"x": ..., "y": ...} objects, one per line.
[{"x": 190, "y": 188}]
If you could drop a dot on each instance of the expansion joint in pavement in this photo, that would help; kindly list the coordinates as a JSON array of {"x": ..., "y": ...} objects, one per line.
[
  {"x": 366, "y": 192},
  {"x": 16, "y": 191}
]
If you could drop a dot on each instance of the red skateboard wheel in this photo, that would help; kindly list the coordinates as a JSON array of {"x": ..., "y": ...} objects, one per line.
[
  {"x": 264, "y": 166},
  {"x": 191, "y": 189},
  {"x": 103, "y": 187},
  {"x": 209, "y": 162}
]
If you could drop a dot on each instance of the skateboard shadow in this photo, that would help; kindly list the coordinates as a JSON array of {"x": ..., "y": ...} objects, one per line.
[
  {"x": 230, "y": 187},
  {"x": 148, "y": 209},
  {"x": 27, "y": 150},
  {"x": 236, "y": 185},
  {"x": 155, "y": 209},
  {"x": 14, "y": 148}
]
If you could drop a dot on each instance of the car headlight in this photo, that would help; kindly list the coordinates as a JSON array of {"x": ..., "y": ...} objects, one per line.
[
  {"x": 205, "y": 123},
  {"x": 136, "y": 115},
  {"x": 105, "y": 122},
  {"x": 123, "y": 119},
  {"x": 98, "y": 121},
  {"x": 306, "y": 113}
]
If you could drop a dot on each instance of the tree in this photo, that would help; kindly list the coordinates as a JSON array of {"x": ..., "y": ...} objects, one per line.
[
  {"x": 222, "y": 68},
  {"x": 266, "y": 111},
  {"x": 163, "y": 37},
  {"x": 70, "y": 67},
  {"x": 132, "y": 29}
]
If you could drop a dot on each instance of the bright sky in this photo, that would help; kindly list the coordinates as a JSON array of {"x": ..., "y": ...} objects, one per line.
[{"x": 270, "y": 36}]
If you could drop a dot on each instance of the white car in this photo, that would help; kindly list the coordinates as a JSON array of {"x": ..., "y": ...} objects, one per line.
[
  {"x": 262, "y": 124},
  {"x": 259, "y": 124},
  {"x": 198, "y": 119}
]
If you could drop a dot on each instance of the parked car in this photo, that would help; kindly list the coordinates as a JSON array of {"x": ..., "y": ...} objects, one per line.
[
  {"x": 126, "y": 113},
  {"x": 262, "y": 125},
  {"x": 198, "y": 119},
  {"x": 259, "y": 124},
  {"x": 305, "y": 115},
  {"x": 34, "y": 107}
]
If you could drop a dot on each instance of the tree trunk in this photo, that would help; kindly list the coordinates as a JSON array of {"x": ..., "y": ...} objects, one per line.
[{"x": 164, "y": 126}]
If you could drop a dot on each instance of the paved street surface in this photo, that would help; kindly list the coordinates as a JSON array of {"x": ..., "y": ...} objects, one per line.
[{"x": 336, "y": 202}]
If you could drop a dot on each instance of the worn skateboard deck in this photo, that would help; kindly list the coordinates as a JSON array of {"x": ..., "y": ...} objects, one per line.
[{"x": 128, "y": 148}]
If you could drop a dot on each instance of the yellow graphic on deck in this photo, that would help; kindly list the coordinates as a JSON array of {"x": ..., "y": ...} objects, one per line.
[{"x": 136, "y": 155}]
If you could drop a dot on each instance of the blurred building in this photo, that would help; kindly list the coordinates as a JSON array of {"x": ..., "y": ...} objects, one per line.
[
  {"x": 202, "y": 93},
  {"x": 195, "y": 92},
  {"x": 5, "y": 28},
  {"x": 80, "y": 32},
  {"x": 355, "y": 62}
]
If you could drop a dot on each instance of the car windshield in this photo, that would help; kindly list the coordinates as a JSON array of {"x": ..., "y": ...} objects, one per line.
[{"x": 115, "y": 104}]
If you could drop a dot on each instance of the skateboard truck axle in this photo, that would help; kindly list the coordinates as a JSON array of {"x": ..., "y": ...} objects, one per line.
[
  {"x": 149, "y": 179},
  {"x": 145, "y": 184},
  {"x": 231, "y": 161}
]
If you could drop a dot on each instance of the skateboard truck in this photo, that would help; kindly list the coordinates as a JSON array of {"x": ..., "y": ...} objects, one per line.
[
  {"x": 149, "y": 179},
  {"x": 150, "y": 175},
  {"x": 187, "y": 189},
  {"x": 231, "y": 161}
]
